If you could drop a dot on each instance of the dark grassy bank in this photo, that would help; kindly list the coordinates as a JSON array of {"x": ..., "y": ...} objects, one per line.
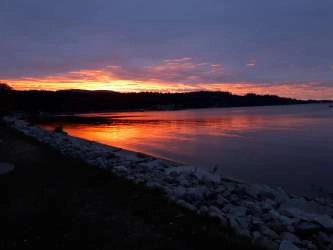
[{"x": 52, "y": 202}]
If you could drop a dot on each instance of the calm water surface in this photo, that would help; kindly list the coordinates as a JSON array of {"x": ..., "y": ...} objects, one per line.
[{"x": 288, "y": 146}]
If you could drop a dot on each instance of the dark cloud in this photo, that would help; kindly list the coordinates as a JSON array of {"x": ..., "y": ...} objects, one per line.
[{"x": 257, "y": 41}]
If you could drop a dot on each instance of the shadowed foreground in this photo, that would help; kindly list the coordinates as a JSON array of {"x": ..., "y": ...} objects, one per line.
[{"x": 53, "y": 202}]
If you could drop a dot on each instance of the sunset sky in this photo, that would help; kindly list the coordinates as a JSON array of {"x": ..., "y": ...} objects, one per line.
[{"x": 282, "y": 47}]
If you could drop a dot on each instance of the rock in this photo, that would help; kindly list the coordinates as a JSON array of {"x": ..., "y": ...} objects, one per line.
[
  {"x": 230, "y": 187},
  {"x": 268, "y": 205},
  {"x": 243, "y": 222},
  {"x": 324, "y": 238},
  {"x": 266, "y": 192},
  {"x": 267, "y": 217},
  {"x": 203, "y": 210},
  {"x": 121, "y": 169},
  {"x": 289, "y": 212},
  {"x": 290, "y": 228},
  {"x": 186, "y": 205},
  {"x": 309, "y": 207},
  {"x": 174, "y": 174},
  {"x": 233, "y": 223},
  {"x": 312, "y": 218},
  {"x": 253, "y": 208},
  {"x": 220, "y": 200},
  {"x": 151, "y": 184},
  {"x": 238, "y": 211},
  {"x": 212, "y": 196},
  {"x": 234, "y": 198},
  {"x": 223, "y": 220},
  {"x": 307, "y": 227},
  {"x": 256, "y": 235},
  {"x": 277, "y": 227},
  {"x": 287, "y": 245},
  {"x": 59, "y": 129},
  {"x": 6, "y": 168},
  {"x": 251, "y": 191},
  {"x": 238, "y": 223},
  {"x": 214, "y": 210},
  {"x": 324, "y": 220},
  {"x": 226, "y": 193},
  {"x": 244, "y": 232},
  {"x": 267, "y": 243},
  {"x": 282, "y": 195},
  {"x": 281, "y": 219},
  {"x": 227, "y": 208},
  {"x": 269, "y": 233},
  {"x": 290, "y": 237},
  {"x": 309, "y": 244},
  {"x": 256, "y": 222},
  {"x": 191, "y": 197}
]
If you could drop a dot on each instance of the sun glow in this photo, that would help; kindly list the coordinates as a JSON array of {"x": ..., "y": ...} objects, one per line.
[{"x": 177, "y": 75}]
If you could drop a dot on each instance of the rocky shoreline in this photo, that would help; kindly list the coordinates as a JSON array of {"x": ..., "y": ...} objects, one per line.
[{"x": 268, "y": 216}]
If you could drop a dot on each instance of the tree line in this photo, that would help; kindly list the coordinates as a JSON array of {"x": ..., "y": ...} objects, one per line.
[{"x": 90, "y": 101}]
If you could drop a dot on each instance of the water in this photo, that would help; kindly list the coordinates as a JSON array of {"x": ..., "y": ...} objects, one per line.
[{"x": 287, "y": 146}]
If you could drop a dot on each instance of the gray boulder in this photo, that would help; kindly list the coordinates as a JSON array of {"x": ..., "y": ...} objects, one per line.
[{"x": 287, "y": 245}]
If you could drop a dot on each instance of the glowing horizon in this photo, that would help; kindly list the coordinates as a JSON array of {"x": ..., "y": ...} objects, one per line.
[{"x": 109, "y": 78}]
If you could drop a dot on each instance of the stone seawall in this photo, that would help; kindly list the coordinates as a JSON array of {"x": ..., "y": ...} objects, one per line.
[{"x": 268, "y": 216}]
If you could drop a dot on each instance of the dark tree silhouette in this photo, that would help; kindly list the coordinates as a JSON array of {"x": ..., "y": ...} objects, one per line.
[
  {"x": 90, "y": 101},
  {"x": 5, "y": 105},
  {"x": 4, "y": 87}
]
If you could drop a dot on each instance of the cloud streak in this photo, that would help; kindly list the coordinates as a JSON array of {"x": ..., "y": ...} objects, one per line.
[
  {"x": 186, "y": 43},
  {"x": 171, "y": 75}
]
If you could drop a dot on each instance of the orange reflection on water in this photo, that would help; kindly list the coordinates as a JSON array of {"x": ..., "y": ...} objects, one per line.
[
  {"x": 161, "y": 132},
  {"x": 259, "y": 144}
]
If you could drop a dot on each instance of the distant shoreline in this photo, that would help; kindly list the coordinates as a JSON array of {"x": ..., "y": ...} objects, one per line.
[
  {"x": 99, "y": 119},
  {"x": 77, "y": 117},
  {"x": 103, "y": 101}
]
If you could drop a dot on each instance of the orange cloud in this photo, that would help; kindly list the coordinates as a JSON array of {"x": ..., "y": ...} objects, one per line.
[{"x": 175, "y": 75}]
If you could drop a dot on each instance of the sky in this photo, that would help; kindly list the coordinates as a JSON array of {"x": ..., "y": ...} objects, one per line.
[{"x": 282, "y": 47}]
